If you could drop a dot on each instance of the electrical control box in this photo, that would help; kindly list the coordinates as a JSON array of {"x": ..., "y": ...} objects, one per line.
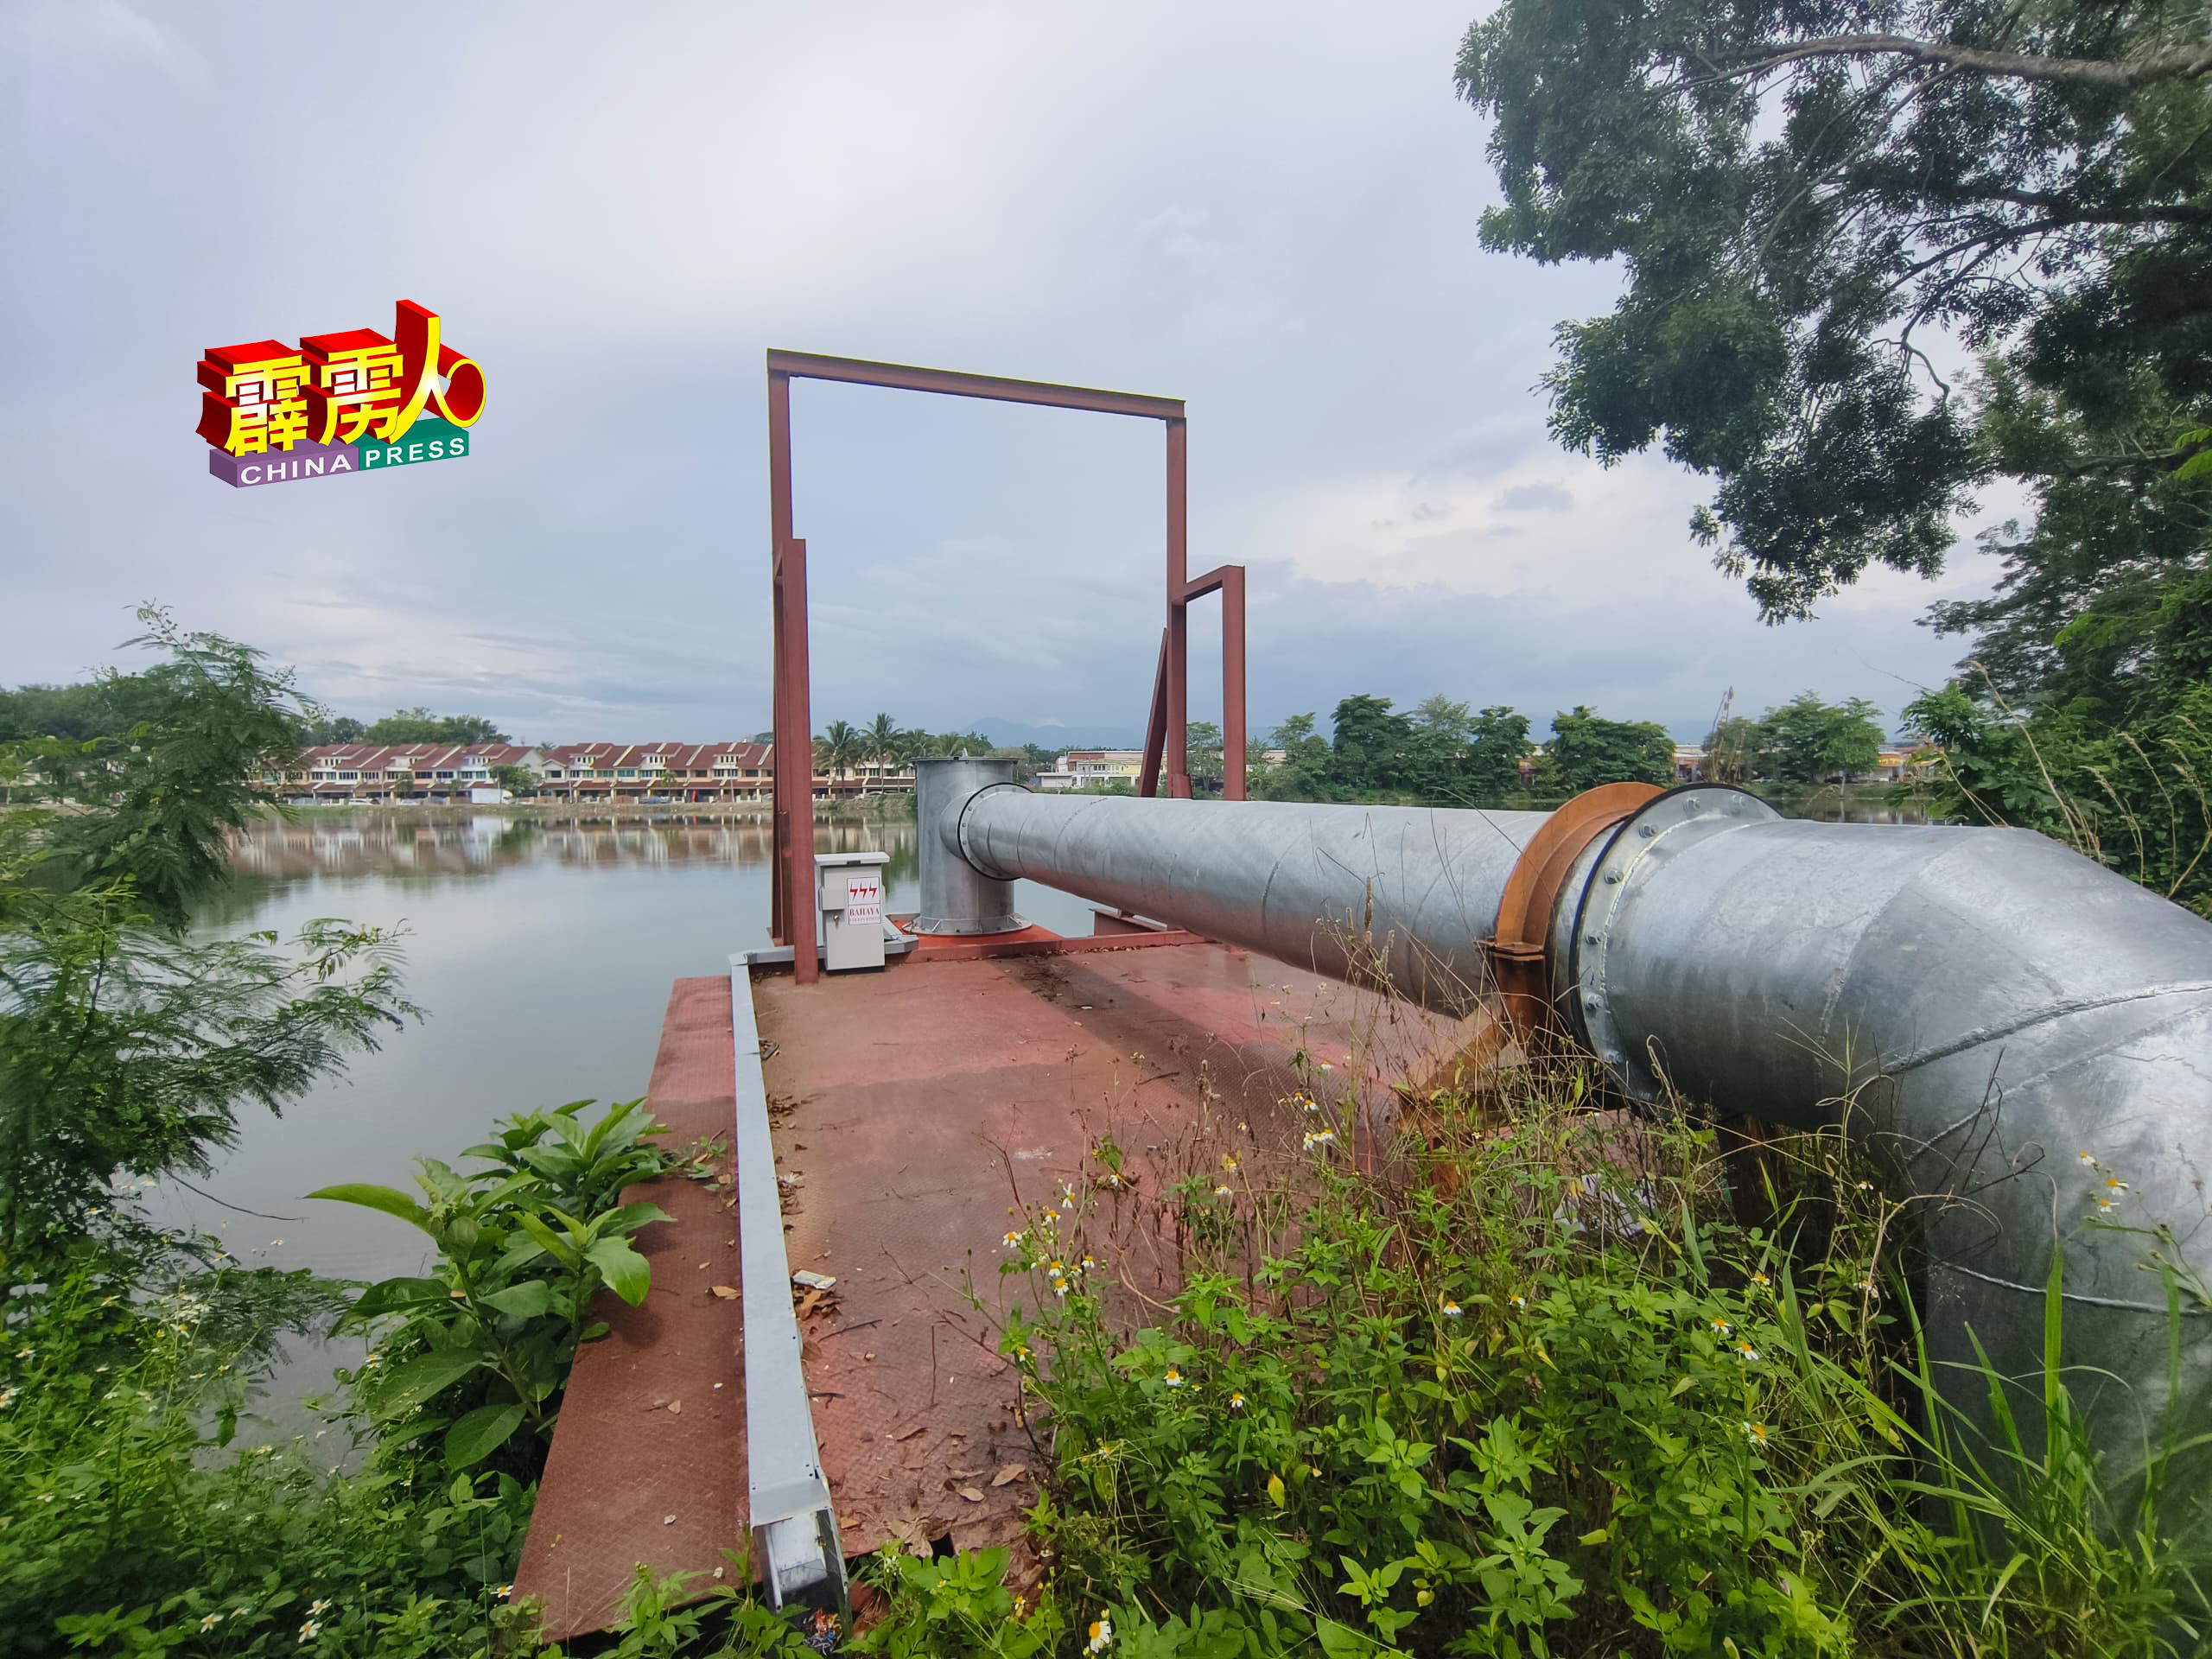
[{"x": 849, "y": 901}]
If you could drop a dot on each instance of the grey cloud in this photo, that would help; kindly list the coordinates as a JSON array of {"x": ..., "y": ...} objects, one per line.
[{"x": 1534, "y": 498}]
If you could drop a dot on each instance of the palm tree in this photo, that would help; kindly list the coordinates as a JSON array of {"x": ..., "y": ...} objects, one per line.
[
  {"x": 882, "y": 739},
  {"x": 836, "y": 749}
]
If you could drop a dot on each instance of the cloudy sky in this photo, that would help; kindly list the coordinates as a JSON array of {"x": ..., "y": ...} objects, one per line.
[{"x": 1269, "y": 211}]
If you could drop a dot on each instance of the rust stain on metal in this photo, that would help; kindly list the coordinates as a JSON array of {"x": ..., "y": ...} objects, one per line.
[
  {"x": 632, "y": 1476},
  {"x": 945, "y": 1095}
]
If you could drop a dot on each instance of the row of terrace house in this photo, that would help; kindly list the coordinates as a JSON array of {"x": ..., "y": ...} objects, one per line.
[
  {"x": 580, "y": 773},
  {"x": 405, "y": 771},
  {"x": 670, "y": 772}
]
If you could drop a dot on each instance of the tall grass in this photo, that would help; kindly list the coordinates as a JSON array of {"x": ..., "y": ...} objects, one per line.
[{"x": 1532, "y": 1378}]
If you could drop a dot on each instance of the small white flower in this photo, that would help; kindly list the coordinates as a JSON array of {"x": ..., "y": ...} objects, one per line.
[
  {"x": 308, "y": 1631},
  {"x": 1748, "y": 1354},
  {"x": 1222, "y": 1191},
  {"x": 2088, "y": 1160},
  {"x": 1236, "y": 1402},
  {"x": 1173, "y": 1379},
  {"x": 1102, "y": 1637},
  {"x": 1453, "y": 1311},
  {"x": 316, "y": 1609},
  {"x": 210, "y": 1622},
  {"x": 1756, "y": 1433}
]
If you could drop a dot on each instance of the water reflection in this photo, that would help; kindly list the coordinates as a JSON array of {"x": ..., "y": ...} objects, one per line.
[{"x": 398, "y": 845}]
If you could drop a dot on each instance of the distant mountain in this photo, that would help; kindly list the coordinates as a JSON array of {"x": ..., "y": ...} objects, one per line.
[{"x": 1013, "y": 734}]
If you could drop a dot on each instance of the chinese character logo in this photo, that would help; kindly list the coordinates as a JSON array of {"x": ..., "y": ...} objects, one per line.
[{"x": 351, "y": 388}]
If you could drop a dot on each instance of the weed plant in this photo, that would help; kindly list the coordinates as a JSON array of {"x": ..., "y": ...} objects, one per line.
[
  {"x": 133, "y": 1518},
  {"x": 1548, "y": 1386}
]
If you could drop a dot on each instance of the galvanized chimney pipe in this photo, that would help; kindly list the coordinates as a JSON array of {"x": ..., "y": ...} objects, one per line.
[{"x": 1983, "y": 1009}]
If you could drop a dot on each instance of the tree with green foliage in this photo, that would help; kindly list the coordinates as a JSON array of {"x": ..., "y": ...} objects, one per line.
[
  {"x": 1807, "y": 740},
  {"x": 1804, "y": 196},
  {"x": 1586, "y": 750},
  {"x": 420, "y": 725},
  {"x": 520, "y": 782},
  {"x": 838, "y": 748},
  {"x": 107, "y": 705},
  {"x": 1497, "y": 743},
  {"x": 1439, "y": 729},
  {"x": 127, "y": 1046},
  {"x": 1303, "y": 773},
  {"x": 1208, "y": 758},
  {"x": 882, "y": 739},
  {"x": 1371, "y": 746}
]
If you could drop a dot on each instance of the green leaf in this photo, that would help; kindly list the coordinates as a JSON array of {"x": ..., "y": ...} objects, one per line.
[
  {"x": 523, "y": 1301},
  {"x": 481, "y": 1433},
  {"x": 626, "y": 1273},
  {"x": 389, "y": 1199},
  {"x": 554, "y": 1246},
  {"x": 631, "y": 1217},
  {"x": 396, "y": 1295},
  {"x": 411, "y": 1383}
]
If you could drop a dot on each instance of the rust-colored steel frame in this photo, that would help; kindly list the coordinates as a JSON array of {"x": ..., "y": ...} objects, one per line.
[{"x": 1166, "y": 736}]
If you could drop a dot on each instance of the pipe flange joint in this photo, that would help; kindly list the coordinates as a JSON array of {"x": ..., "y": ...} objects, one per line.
[
  {"x": 1645, "y": 841},
  {"x": 980, "y": 865}
]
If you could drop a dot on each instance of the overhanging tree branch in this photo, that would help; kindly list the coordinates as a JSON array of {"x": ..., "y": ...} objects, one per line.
[{"x": 2188, "y": 63}]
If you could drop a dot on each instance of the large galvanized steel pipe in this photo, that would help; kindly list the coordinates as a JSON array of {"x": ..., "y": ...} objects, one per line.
[
  {"x": 1323, "y": 887},
  {"x": 2008, "y": 1026}
]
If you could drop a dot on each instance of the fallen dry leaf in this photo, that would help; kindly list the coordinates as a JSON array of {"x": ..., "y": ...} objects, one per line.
[
  {"x": 1011, "y": 1472},
  {"x": 909, "y": 1433},
  {"x": 972, "y": 1494},
  {"x": 676, "y": 1407},
  {"x": 728, "y": 1292}
]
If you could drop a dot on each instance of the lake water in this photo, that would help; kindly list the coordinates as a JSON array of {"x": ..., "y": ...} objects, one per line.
[{"x": 541, "y": 950}]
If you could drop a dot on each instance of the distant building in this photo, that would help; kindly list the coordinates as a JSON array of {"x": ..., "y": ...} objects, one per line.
[
  {"x": 1093, "y": 769},
  {"x": 680, "y": 773},
  {"x": 406, "y": 771},
  {"x": 670, "y": 772}
]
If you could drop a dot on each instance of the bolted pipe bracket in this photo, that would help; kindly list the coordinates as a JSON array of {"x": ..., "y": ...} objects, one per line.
[
  {"x": 1644, "y": 838},
  {"x": 1516, "y": 949}
]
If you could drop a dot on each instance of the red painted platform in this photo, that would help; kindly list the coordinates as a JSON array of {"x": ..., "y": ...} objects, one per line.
[
  {"x": 648, "y": 1457},
  {"x": 921, "y": 1109},
  {"x": 915, "y": 1111}
]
